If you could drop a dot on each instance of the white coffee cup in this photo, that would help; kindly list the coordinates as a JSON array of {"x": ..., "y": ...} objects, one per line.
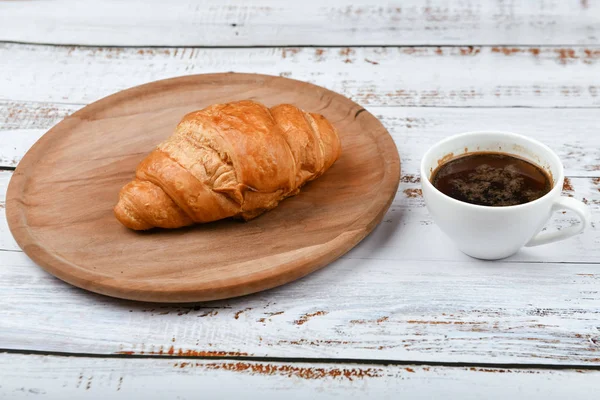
[{"x": 496, "y": 232}]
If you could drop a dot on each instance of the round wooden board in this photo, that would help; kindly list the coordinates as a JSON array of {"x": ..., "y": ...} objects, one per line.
[{"x": 60, "y": 199}]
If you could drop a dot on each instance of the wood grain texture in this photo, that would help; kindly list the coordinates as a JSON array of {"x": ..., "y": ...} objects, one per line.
[
  {"x": 60, "y": 199},
  {"x": 272, "y": 22},
  {"x": 404, "y": 292},
  {"x": 571, "y": 133},
  {"x": 55, "y": 377},
  {"x": 357, "y": 308},
  {"x": 408, "y": 225},
  {"x": 406, "y": 76},
  {"x": 22, "y": 124}
]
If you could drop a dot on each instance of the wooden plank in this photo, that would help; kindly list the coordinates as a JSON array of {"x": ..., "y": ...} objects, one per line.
[
  {"x": 408, "y": 224},
  {"x": 7, "y": 242},
  {"x": 372, "y": 76},
  {"x": 356, "y": 308},
  {"x": 572, "y": 133},
  {"x": 21, "y": 124},
  {"x": 272, "y": 22},
  {"x": 92, "y": 378}
]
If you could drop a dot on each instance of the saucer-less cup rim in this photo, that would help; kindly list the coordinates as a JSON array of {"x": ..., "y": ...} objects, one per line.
[{"x": 556, "y": 184}]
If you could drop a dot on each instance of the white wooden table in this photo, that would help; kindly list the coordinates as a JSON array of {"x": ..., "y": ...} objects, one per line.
[{"x": 404, "y": 313}]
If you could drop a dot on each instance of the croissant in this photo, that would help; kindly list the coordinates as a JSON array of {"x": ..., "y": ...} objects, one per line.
[{"x": 228, "y": 160}]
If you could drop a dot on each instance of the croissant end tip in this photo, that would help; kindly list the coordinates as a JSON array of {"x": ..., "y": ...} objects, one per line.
[{"x": 126, "y": 216}]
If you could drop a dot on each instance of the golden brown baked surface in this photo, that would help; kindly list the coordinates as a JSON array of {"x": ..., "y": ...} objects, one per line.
[{"x": 228, "y": 160}]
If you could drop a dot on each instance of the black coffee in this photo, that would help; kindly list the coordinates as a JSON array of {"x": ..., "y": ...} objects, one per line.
[{"x": 491, "y": 179}]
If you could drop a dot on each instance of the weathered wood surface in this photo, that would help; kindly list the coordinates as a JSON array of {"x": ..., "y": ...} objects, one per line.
[
  {"x": 405, "y": 293},
  {"x": 503, "y": 324},
  {"x": 373, "y": 76},
  {"x": 310, "y": 22},
  {"x": 387, "y": 299},
  {"x": 54, "y": 377},
  {"x": 572, "y": 133},
  {"x": 407, "y": 227}
]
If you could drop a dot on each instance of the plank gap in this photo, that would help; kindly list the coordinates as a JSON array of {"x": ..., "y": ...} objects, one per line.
[
  {"x": 308, "y": 46},
  {"x": 370, "y": 106},
  {"x": 358, "y": 361}
]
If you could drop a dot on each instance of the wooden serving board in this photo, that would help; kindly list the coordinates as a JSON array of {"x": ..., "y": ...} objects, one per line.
[{"x": 60, "y": 199}]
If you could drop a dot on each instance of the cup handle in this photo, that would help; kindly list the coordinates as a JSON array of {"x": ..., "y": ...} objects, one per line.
[{"x": 564, "y": 203}]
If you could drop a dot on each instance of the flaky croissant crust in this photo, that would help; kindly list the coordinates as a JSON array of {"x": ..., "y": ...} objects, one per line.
[{"x": 228, "y": 160}]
